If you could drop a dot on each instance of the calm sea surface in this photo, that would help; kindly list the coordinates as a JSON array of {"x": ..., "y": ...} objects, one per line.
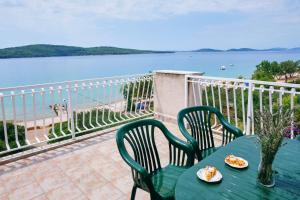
[{"x": 23, "y": 71}]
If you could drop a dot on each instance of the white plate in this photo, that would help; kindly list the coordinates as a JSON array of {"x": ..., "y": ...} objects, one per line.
[
  {"x": 237, "y": 166},
  {"x": 216, "y": 178}
]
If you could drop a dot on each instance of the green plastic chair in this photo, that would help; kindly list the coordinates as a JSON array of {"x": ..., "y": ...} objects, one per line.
[
  {"x": 147, "y": 172},
  {"x": 199, "y": 132}
]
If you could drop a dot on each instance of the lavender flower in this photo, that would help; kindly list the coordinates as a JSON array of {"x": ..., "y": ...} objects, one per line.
[{"x": 287, "y": 132}]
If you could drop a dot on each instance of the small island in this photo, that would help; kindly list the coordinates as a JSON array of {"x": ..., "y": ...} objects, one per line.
[
  {"x": 46, "y": 50},
  {"x": 279, "y": 49}
]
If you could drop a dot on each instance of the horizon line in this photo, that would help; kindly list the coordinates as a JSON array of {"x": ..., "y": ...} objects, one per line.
[{"x": 203, "y": 48}]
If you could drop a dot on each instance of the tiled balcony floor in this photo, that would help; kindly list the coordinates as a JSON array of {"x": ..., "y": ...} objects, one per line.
[{"x": 91, "y": 169}]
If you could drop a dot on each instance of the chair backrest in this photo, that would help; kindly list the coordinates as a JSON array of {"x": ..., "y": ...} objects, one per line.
[
  {"x": 198, "y": 121},
  {"x": 140, "y": 136}
]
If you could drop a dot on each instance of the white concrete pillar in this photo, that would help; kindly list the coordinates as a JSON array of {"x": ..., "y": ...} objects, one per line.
[{"x": 170, "y": 93}]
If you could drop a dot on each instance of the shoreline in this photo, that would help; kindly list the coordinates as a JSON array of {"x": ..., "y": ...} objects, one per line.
[
  {"x": 63, "y": 56},
  {"x": 295, "y": 77},
  {"x": 39, "y": 123}
]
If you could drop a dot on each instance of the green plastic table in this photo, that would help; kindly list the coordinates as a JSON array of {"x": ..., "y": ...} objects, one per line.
[{"x": 242, "y": 184}]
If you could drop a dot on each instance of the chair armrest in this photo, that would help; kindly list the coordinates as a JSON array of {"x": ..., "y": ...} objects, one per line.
[
  {"x": 230, "y": 128},
  {"x": 136, "y": 166},
  {"x": 177, "y": 145}
]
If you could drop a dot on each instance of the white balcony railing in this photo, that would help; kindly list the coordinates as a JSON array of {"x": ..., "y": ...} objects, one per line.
[
  {"x": 36, "y": 115},
  {"x": 39, "y": 115},
  {"x": 239, "y": 99}
]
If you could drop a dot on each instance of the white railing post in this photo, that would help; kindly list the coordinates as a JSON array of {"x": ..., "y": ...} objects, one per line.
[
  {"x": 186, "y": 88},
  {"x": 243, "y": 107},
  {"x": 70, "y": 111},
  {"x": 227, "y": 101},
  {"x": 15, "y": 117},
  {"x": 4, "y": 121},
  {"x": 293, "y": 91},
  {"x": 250, "y": 109},
  {"x": 25, "y": 115}
]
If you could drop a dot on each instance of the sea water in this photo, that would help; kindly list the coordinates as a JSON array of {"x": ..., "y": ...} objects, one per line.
[{"x": 29, "y": 71}]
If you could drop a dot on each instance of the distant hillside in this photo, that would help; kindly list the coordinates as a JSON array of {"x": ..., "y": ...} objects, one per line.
[
  {"x": 45, "y": 50},
  {"x": 276, "y": 49},
  {"x": 247, "y": 49},
  {"x": 295, "y": 49},
  {"x": 243, "y": 49},
  {"x": 279, "y": 49},
  {"x": 207, "y": 50}
]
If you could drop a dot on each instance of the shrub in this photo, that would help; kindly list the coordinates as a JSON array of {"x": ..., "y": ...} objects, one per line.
[{"x": 11, "y": 135}]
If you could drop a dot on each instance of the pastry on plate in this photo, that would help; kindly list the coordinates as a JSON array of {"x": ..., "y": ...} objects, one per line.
[
  {"x": 209, "y": 172},
  {"x": 234, "y": 160}
]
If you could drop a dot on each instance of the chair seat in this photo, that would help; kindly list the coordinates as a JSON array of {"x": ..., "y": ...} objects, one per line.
[
  {"x": 208, "y": 151},
  {"x": 165, "y": 179}
]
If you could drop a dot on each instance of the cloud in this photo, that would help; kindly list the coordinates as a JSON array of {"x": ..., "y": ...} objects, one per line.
[
  {"x": 69, "y": 14},
  {"x": 111, "y": 22},
  {"x": 137, "y": 9}
]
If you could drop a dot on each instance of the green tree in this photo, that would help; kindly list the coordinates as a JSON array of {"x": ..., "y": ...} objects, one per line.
[
  {"x": 275, "y": 69},
  {"x": 272, "y": 71},
  {"x": 262, "y": 76},
  {"x": 288, "y": 69},
  {"x": 297, "y": 63},
  {"x": 266, "y": 71},
  {"x": 264, "y": 66}
]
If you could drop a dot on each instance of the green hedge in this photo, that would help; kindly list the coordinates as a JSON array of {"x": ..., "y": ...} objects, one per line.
[
  {"x": 11, "y": 135},
  {"x": 106, "y": 113}
]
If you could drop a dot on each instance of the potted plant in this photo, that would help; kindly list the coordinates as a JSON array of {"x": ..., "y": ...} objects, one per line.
[{"x": 270, "y": 134}]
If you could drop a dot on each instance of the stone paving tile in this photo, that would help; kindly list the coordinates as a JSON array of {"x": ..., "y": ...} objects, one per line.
[
  {"x": 97, "y": 164},
  {"x": 41, "y": 197},
  {"x": 41, "y": 169},
  {"x": 3, "y": 190},
  {"x": 124, "y": 183},
  {"x": 81, "y": 197},
  {"x": 140, "y": 195},
  {"x": 79, "y": 172},
  {"x": 69, "y": 191},
  {"x": 108, "y": 191},
  {"x": 50, "y": 181},
  {"x": 9, "y": 183},
  {"x": 112, "y": 171},
  {"x": 90, "y": 182},
  {"x": 26, "y": 193},
  {"x": 4, "y": 197}
]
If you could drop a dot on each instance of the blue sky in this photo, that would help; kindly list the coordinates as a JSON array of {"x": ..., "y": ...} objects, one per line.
[{"x": 151, "y": 24}]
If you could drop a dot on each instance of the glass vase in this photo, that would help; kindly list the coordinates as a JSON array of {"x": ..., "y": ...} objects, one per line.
[{"x": 265, "y": 175}]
